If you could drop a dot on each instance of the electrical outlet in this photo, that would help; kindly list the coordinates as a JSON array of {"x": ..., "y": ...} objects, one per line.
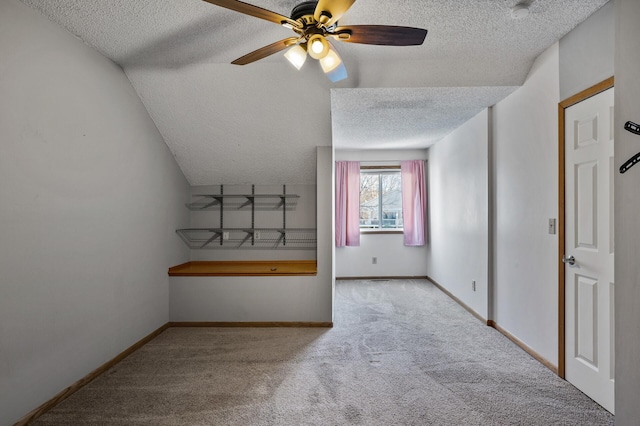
[
  {"x": 473, "y": 285},
  {"x": 256, "y": 235},
  {"x": 374, "y": 260},
  {"x": 225, "y": 235}
]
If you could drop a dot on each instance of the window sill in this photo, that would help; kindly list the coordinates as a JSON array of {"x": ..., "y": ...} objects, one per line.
[{"x": 380, "y": 232}]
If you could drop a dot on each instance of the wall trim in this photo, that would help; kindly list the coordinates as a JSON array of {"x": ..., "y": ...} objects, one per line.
[
  {"x": 392, "y": 277},
  {"x": 562, "y": 106},
  {"x": 542, "y": 360},
  {"x": 65, "y": 393},
  {"x": 458, "y": 301},
  {"x": 261, "y": 324},
  {"x": 491, "y": 323}
]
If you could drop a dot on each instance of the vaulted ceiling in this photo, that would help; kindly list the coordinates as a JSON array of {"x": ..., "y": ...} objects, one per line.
[{"x": 261, "y": 123}]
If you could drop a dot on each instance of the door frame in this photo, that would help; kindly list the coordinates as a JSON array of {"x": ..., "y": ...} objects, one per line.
[{"x": 562, "y": 106}]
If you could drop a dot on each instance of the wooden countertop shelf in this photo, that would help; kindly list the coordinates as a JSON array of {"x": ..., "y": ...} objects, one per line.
[{"x": 243, "y": 268}]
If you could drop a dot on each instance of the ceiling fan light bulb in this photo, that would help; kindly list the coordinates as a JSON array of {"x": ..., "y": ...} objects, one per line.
[
  {"x": 296, "y": 55},
  {"x": 318, "y": 47}
]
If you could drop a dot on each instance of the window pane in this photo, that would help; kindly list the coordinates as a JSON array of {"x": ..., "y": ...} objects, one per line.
[
  {"x": 369, "y": 200},
  {"x": 391, "y": 201},
  {"x": 380, "y": 200}
]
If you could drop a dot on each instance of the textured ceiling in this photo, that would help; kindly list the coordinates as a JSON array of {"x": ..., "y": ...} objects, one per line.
[
  {"x": 261, "y": 122},
  {"x": 420, "y": 116}
]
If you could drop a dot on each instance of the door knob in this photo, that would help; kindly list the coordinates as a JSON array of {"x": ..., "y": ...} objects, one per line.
[{"x": 569, "y": 260}]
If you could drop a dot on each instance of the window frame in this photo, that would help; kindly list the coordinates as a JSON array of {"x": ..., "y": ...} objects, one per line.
[{"x": 380, "y": 169}]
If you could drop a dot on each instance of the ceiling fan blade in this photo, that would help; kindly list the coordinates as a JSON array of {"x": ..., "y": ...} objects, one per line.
[
  {"x": 334, "y": 9},
  {"x": 258, "y": 12},
  {"x": 383, "y": 35},
  {"x": 265, "y": 51}
]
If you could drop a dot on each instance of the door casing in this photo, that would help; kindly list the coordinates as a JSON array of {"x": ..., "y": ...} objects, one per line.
[{"x": 562, "y": 106}]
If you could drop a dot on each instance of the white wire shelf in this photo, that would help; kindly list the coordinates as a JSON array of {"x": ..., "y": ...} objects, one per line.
[
  {"x": 249, "y": 238},
  {"x": 244, "y": 201}
]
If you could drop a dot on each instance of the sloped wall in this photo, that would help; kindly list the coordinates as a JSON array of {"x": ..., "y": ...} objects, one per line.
[{"x": 91, "y": 198}]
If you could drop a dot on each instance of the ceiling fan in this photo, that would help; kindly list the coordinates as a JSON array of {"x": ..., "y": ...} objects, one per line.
[{"x": 314, "y": 23}]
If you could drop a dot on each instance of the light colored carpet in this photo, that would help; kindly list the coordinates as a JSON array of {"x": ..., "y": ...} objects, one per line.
[{"x": 400, "y": 353}]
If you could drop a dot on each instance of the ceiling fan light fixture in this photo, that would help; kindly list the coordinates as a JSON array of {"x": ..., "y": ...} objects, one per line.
[
  {"x": 332, "y": 66},
  {"x": 314, "y": 21},
  {"x": 297, "y": 55},
  {"x": 317, "y": 46},
  {"x": 330, "y": 62},
  {"x": 339, "y": 73}
]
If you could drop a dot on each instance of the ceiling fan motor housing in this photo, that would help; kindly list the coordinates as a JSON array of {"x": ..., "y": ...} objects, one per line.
[
  {"x": 304, "y": 9},
  {"x": 305, "y": 12}
]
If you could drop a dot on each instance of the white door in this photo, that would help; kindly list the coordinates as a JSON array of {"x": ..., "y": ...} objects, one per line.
[{"x": 589, "y": 282}]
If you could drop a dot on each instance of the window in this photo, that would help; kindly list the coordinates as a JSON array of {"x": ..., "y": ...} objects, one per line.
[{"x": 380, "y": 199}]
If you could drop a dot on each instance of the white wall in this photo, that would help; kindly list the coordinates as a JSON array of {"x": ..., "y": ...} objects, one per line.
[
  {"x": 393, "y": 258},
  {"x": 586, "y": 53},
  {"x": 325, "y": 220},
  {"x": 250, "y": 299},
  {"x": 525, "y": 147},
  {"x": 458, "y": 212},
  {"x": 383, "y": 156},
  {"x": 91, "y": 198},
  {"x": 627, "y": 205}
]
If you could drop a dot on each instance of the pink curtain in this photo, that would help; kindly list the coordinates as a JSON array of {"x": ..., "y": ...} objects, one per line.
[
  {"x": 414, "y": 202},
  {"x": 347, "y": 203}
]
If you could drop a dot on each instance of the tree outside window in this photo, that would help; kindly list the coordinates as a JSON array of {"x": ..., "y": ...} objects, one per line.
[{"x": 380, "y": 200}]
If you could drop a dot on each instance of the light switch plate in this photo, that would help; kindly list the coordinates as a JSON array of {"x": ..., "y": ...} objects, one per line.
[{"x": 552, "y": 226}]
